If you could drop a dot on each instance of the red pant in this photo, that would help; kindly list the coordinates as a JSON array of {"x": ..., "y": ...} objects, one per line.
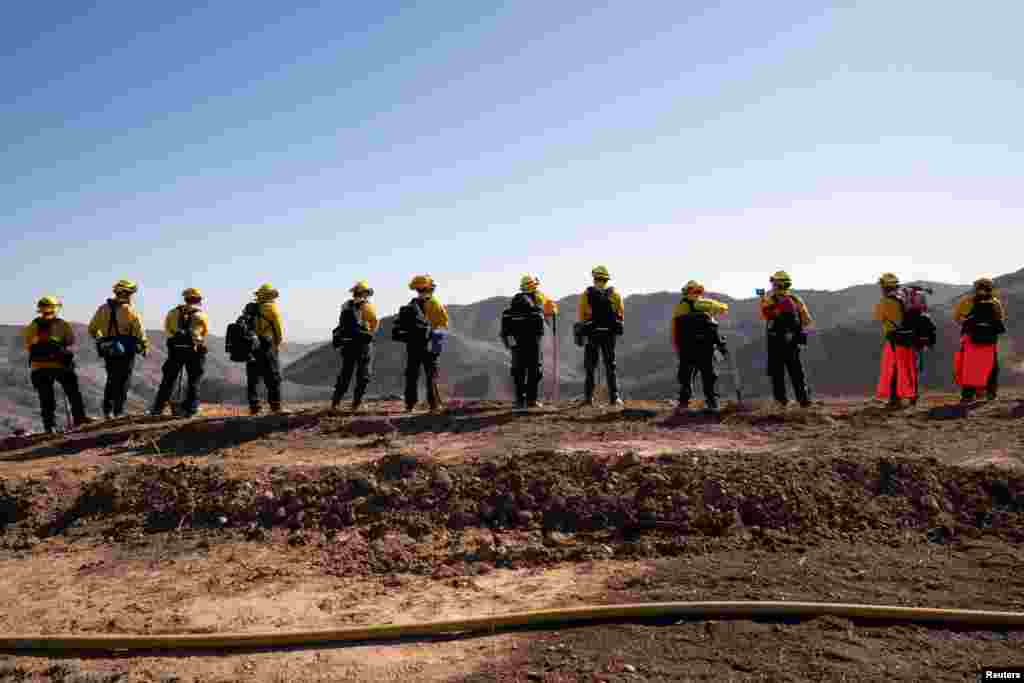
[
  {"x": 899, "y": 372},
  {"x": 973, "y": 363}
]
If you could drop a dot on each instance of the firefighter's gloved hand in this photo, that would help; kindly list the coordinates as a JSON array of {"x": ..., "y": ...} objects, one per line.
[{"x": 437, "y": 341}]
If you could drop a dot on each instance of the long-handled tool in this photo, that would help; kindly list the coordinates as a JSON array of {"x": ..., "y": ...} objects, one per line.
[{"x": 558, "y": 377}]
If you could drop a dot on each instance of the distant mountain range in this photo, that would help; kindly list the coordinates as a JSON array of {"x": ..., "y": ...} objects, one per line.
[{"x": 842, "y": 357}]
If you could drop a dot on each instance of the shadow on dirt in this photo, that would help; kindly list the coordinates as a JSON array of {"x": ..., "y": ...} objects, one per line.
[{"x": 200, "y": 438}]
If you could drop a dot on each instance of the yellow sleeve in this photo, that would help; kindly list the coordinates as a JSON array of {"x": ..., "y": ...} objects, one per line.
[
  {"x": 549, "y": 306},
  {"x": 805, "y": 315},
  {"x": 890, "y": 313},
  {"x": 100, "y": 321},
  {"x": 718, "y": 308},
  {"x": 437, "y": 314},
  {"x": 273, "y": 318},
  {"x": 200, "y": 326},
  {"x": 583, "y": 309},
  {"x": 963, "y": 309},
  {"x": 138, "y": 331},
  {"x": 29, "y": 335},
  {"x": 617, "y": 305},
  {"x": 370, "y": 317},
  {"x": 171, "y": 323}
]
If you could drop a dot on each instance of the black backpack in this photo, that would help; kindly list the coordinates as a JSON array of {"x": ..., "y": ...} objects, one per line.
[
  {"x": 241, "y": 341},
  {"x": 411, "y": 325},
  {"x": 350, "y": 326},
  {"x": 523, "y": 319},
  {"x": 603, "y": 318},
  {"x": 788, "y": 324},
  {"x": 696, "y": 329},
  {"x": 115, "y": 345},
  {"x": 983, "y": 325},
  {"x": 182, "y": 340},
  {"x": 916, "y": 329}
]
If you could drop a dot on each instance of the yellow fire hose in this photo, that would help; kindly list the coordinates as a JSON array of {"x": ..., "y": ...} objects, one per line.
[{"x": 533, "y": 619}]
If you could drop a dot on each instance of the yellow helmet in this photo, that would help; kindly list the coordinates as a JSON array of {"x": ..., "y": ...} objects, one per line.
[
  {"x": 192, "y": 293},
  {"x": 984, "y": 283},
  {"x": 529, "y": 283},
  {"x": 889, "y": 280},
  {"x": 362, "y": 287},
  {"x": 422, "y": 282},
  {"x": 266, "y": 292},
  {"x": 48, "y": 304},
  {"x": 600, "y": 273},
  {"x": 782, "y": 278},
  {"x": 693, "y": 287},
  {"x": 125, "y": 287}
]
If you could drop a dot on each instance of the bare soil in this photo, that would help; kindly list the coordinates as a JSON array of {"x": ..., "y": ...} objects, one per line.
[{"x": 312, "y": 520}]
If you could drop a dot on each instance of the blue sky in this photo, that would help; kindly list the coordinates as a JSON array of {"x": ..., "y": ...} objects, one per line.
[{"x": 225, "y": 144}]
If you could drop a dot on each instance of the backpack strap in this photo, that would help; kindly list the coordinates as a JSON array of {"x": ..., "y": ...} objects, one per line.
[{"x": 112, "y": 323}]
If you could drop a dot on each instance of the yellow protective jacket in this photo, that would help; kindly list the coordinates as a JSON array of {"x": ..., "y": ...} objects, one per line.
[
  {"x": 584, "y": 312},
  {"x": 436, "y": 313},
  {"x": 771, "y": 299},
  {"x": 129, "y": 324},
  {"x": 369, "y": 315},
  {"x": 60, "y": 332},
  {"x": 268, "y": 324},
  {"x": 200, "y": 323},
  {"x": 686, "y": 306},
  {"x": 890, "y": 313},
  {"x": 966, "y": 305}
]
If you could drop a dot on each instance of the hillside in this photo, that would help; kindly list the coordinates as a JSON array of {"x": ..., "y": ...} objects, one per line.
[
  {"x": 224, "y": 380},
  {"x": 476, "y": 365}
]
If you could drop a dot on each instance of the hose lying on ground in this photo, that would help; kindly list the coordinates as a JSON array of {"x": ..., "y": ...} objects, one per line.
[{"x": 534, "y": 619}]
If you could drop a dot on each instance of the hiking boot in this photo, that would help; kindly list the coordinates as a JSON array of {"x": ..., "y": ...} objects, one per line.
[
  {"x": 334, "y": 409},
  {"x": 357, "y": 407},
  {"x": 156, "y": 412},
  {"x": 534, "y": 404},
  {"x": 617, "y": 403},
  {"x": 587, "y": 403},
  {"x": 894, "y": 404},
  {"x": 436, "y": 410},
  {"x": 49, "y": 430},
  {"x": 106, "y": 416},
  {"x": 990, "y": 395},
  {"x": 805, "y": 404},
  {"x": 913, "y": 402},
  {"x": 255, "y": 410},
  {"x": 520, "y": 404}
]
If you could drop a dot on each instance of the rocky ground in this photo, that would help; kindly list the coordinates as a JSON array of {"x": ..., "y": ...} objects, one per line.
[{"x": 311, "y": 520}]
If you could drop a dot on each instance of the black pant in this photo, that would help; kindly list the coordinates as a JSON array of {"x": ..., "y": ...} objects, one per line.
[
  {"x": 115, "y": 393},
  {"x": 991, "y": 389},
  {"x": 783, "y": 357},
  {"x": 419, "y": 356},
  {"x": 701, "y": 360},
  {"x": 194, "y": 364},
  {"x": 356, "y": 358},
  {"x": 528, "y": 367},
  {"x": 264, "y": 366},
  {"x": 602, "y": 345},
  {"x": 43, "y": 379}
]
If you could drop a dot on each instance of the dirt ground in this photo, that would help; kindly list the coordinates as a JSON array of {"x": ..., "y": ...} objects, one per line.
[{"x": 228, "y": 523}]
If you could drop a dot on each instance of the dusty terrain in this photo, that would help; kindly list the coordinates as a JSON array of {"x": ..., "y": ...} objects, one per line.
[{"x": 230, "y": 523}]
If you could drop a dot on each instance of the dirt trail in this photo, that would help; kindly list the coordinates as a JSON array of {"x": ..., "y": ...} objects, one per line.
[{"x": 312, "y": 520}]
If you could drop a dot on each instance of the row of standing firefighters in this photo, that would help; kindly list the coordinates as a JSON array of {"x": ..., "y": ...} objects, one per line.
[{"x": 422, "y": 325}]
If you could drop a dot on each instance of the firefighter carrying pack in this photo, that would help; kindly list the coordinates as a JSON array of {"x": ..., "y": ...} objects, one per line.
[
  {"x": 182, "y": 340},
  {"x": 983, "y": 325},
  {"x": 351, "y": 327},
  {"x": 523, "y": 319},
  {"x": 240, "y": 340},
  {"x": 46, "y": 348},
  {"x": 916, "y": 329},
  {"x": 411, "y": 325},
  {"x": 696, "y": 329}
]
